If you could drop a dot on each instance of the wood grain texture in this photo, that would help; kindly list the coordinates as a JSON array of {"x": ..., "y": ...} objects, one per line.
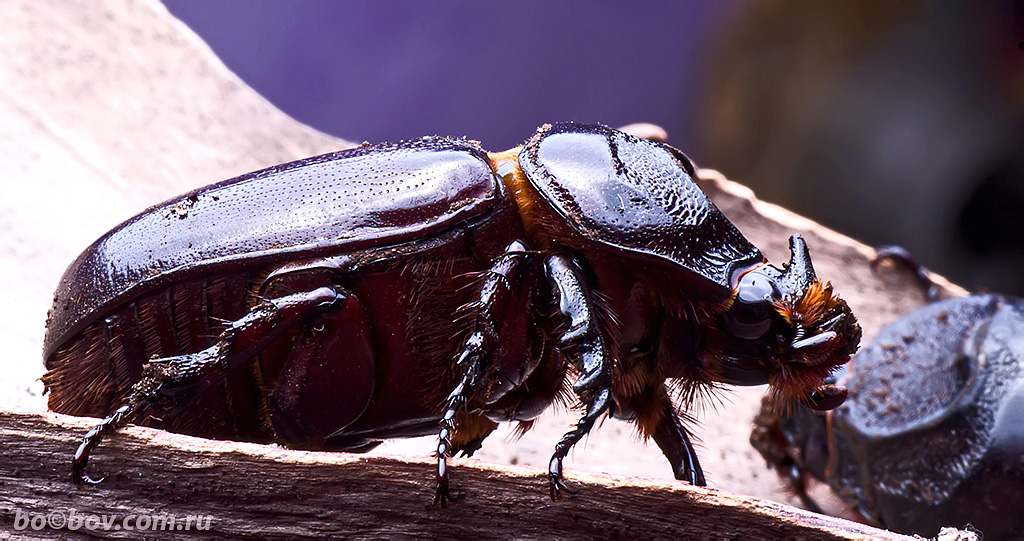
[{"x": 260, "y": 490}]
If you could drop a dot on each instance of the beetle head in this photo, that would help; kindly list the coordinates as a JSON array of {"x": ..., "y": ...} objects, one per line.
[{"x": 785, "y": 327}]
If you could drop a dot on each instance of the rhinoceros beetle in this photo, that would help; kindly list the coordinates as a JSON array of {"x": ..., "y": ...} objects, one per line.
[
  {"x": 933, "y": 431},
  {"x": 383, "y": 291}
]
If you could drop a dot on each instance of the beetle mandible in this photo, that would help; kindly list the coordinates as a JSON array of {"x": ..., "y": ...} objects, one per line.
[
  {"x": 933, "y": 432},
  {"x": 381, "y": 291}
]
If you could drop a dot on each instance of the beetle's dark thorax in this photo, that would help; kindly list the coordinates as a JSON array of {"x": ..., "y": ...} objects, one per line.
[{"x": 646, "y": 308}]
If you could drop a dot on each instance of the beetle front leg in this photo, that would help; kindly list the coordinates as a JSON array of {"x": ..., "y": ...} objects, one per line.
[
  {"x": 477, "y": 352},
  {"x": 583, "y": 343},
  {"x": 671, "y": 437},
  {"x": 173, "y": 382}
]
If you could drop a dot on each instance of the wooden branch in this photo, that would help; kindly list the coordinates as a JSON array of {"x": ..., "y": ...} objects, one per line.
[{"x": 261, "y": 490}]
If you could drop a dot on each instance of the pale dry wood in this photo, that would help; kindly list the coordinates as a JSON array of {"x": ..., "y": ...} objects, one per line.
[{"x": 260, "y": 490}]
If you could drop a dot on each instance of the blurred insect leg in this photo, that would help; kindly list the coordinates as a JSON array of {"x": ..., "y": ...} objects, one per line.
[
  {"x": 171, "y": 383},
  {"x": 799, "y": 485},
  {"x": 671, "y": 437},
  {"x": 901, "y": 257},
  {"x": 477, "y": 352},
  {"x": 583, "y": 343}
]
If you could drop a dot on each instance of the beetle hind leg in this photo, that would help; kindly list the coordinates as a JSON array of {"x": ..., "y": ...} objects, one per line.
[
  {"x": 170, "y": 384},
  {"x": 164, "y": 382},
  {"x": 93, "y": 438}
]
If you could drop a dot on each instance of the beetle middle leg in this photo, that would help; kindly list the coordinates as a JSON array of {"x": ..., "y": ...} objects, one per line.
[
  {"x": 584, "y": 344},
  {"x": 477, "y": 352},
  {"x": 170, "y": 383}
]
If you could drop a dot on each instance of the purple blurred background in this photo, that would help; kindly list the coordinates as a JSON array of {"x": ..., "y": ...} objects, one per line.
[
  {"x": 492, "y": 71},
  {"x": 892, "y": 122}
]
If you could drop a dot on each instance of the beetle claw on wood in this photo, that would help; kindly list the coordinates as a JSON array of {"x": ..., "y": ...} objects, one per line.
[
  {"x": 443, "y": 494},
  {"x": 399, "y": 289}
]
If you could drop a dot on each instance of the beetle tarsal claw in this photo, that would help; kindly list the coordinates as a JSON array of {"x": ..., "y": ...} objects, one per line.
[
  {"x": 443, "y": 494},
  {"x": 558, "y": 486}
]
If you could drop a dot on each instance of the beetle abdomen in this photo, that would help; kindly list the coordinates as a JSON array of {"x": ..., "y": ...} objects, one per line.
[{"x": 92, "y": 372}]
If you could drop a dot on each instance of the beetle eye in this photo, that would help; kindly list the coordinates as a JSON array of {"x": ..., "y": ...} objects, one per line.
[{"x": 751, "y": 313}]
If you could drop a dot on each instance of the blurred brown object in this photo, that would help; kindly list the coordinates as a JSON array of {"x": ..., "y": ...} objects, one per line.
[
  {"x": 646, "y": 130},
  {"x": 894, "y": 122}
]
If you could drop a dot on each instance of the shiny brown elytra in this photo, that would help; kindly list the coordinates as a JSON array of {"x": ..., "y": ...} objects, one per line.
[{"x": 382, "y": 291}]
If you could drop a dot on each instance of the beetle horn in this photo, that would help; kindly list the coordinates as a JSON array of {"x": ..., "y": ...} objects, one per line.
[{"x": 799, "y": 274}]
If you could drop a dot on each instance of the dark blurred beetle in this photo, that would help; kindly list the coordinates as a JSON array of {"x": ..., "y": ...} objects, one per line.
[
  {"x": 374, "y": 293},
  {"x": 933, "y": 432}
]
